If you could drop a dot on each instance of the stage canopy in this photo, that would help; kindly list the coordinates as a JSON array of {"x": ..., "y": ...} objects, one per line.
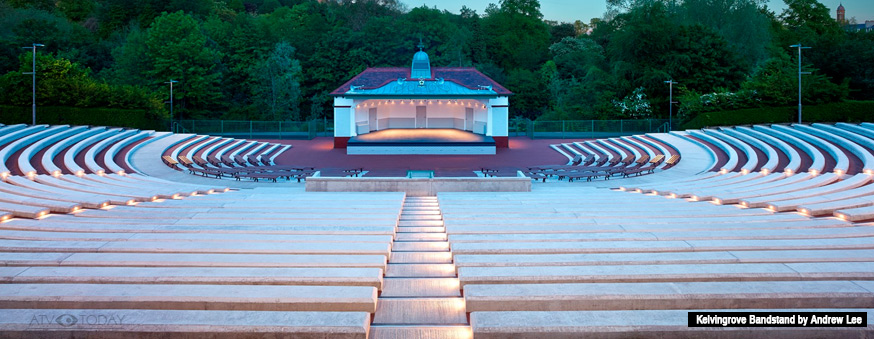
[{"x": 421, "y": 97}]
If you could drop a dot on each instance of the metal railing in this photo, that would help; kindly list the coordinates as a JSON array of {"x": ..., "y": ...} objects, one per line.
[
  {"x": 534, "y": 129},
  {"x": 249, "y": 129},
  {"x": 565, "y": 129}
]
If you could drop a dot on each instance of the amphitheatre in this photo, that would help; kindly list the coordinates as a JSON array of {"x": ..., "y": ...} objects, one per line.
[{"x": 111, "y": 232}]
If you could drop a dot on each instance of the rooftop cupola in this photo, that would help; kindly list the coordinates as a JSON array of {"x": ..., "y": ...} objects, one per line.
[{"x": 421, "y": 64}]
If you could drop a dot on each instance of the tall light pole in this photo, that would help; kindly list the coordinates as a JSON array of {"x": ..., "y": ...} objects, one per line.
[
  {"x": 671, "y": 103},
  {"x": 171, "y": 82},
  {"x": 799, "y": 77},
  {"x": 34, "y": 46}
]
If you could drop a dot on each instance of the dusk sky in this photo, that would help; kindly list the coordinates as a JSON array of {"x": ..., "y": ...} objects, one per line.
[{"x": 571, "y": 10}]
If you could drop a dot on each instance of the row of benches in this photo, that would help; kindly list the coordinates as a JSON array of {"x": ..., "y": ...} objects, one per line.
[
  {"x": 623, "y": 156},
  {"x": 222, "y": 157},
  {"x": 561, "y": 261},
  {"x": 825, "y": 170}
]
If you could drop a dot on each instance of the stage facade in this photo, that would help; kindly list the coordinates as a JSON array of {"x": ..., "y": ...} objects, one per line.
[{"x": 420, "y": 98}]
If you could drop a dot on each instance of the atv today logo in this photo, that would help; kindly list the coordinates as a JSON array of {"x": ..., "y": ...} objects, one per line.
[{"x": 78, "y": 320}]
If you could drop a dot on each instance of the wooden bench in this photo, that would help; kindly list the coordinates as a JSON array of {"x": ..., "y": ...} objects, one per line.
[
  {"x": 187, "y": 163},
  {"x": 536, "y": 176},
  {"x": 351, "y": 172},
  {"x": 170, "y": 162},
  {"x": 672, "y": 161},
  {"x": 258, "y": 175}
]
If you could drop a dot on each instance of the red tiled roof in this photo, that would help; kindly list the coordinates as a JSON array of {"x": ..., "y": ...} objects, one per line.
[{"x": 465, "y": 76}]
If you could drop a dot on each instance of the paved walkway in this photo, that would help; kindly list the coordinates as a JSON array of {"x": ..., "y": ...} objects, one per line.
[{"x": 320, "y": 153}]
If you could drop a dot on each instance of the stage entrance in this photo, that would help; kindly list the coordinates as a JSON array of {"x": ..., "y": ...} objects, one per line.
[{"x": 421, "y": 141}]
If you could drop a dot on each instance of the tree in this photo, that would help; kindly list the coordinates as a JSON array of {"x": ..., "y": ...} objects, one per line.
[
  {"x": 130, "y": 67},
  {"x": 524, "y": 38},
  {"x": 531, "y": 97},
  {"x": 177, "y": 49},
  {"x": 76, "y": 10},
  {"x": 278, "y": 92},
  {"x": 61, "y": 82},
  {"x": 742, "y": 23}
]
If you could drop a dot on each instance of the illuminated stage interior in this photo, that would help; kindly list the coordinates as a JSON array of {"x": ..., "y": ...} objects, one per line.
[{"x": 421, "y": 141}]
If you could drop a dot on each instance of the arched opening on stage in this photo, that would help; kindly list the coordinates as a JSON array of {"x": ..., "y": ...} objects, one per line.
[{"x": 373, "y": 115}]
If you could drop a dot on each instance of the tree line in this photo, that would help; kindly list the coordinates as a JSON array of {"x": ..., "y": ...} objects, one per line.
[{"x": 279, "y": 59}]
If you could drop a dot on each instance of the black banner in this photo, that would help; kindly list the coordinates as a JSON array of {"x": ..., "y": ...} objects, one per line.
[{"x": 778, "y": 319}]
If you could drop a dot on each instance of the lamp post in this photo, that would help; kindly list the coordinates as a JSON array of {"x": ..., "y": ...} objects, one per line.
[
  {"x": 171, "y": 82},
  {"x": 34, "y": 46},
  {"x": 799, "y": 77},
  {"x": 671, "y": 103}
]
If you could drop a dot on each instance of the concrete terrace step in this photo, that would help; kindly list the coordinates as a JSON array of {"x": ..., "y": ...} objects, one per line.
[
  {"x": 675, "y": 258},
  {"x": 420, "y": 287},
  {"x": 312, "y": 276},
  {"x": 270, "y": 228},
  {"x": 666, "y": 273},
  {"x": 408, "y": 211},
  {"x": 189, "y": 260},
  {"x": 644, "y": 324},
  {"x": 420, "y": 223},
  {"x": 194, "y": 247},
  {"x": 394, "y": 270},
  {"x": 199, "y": 236},
  {"x": 221, "y": 215},
  {"x": 115, "y": 323},
  {"x": 835, "y": 230},
  {"x": 421, "y": 257},
  {"x": 418, "y": 207},
  {"x": 660, "y": 246},
  {"x": 420, "y": 237},
  {"x": 191, "y": 297},
  {"x": 631, "y": 220},
  {"x": 421, "y": 311},
  {"x": 675, "y": 295},
  {"x": 408, "y": 217},
  {"x": 856, "y": 214},
  {"x": 632, "y": 227},
  {"x": 424, "y": 332},
  {"x": 420, "y": 246},
  {"x": 412, "y": 229}
]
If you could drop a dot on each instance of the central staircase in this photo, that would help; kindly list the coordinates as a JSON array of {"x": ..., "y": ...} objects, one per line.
[{"x": 421, "y": 296}]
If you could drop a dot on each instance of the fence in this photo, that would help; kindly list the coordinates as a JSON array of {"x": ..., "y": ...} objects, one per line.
[
  {"x": 564, "y": 129},
  {"x": 257, "y": 129},
  {"x": 534, "y": 129}
]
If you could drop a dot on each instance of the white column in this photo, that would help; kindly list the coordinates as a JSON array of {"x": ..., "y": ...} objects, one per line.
[
  {"x": 344, "y": 117},
  {"x": 498, "y": 117}
]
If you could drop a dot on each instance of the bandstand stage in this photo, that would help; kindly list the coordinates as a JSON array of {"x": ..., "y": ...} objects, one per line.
[
  {"x": 421, "y": 110},
  {"x": 421, "y": 141}
]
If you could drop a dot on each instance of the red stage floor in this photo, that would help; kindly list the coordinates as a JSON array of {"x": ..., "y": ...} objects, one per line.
[{"x": 320, "y": 153}]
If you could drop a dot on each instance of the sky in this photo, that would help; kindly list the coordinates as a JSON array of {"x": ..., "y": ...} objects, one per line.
[{"x": 584, "y": 10}]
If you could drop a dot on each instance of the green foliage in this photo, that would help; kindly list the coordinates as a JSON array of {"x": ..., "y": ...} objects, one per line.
[
  {"x": 277, "y": 93},
  {"x": 742, "y": 23},
  {"x": 63, "y": 83},
  {"x": 850, "y": 111},
  {"x": 524, "y": 38},
  {"x": 76, "y": 10},
  {"x": 725, "y": 55},
  {"x": 531, "y": 97},
  {"x": 132, "y": 118},
  {"x": 177, "y": 49}
]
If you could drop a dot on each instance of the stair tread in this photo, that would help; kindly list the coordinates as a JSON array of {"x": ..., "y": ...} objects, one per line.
[
  {"x": 420, "y": 287},
  {"x": 450, "y": 311}
]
